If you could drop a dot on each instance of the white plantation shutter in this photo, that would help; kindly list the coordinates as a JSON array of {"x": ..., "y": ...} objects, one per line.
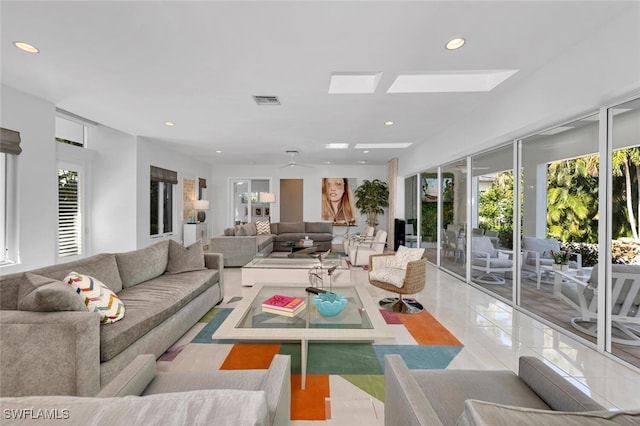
[{"x": 69, "y": 214}]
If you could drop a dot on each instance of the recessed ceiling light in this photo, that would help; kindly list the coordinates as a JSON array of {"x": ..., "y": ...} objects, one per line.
[
  {"x": 336, "y": 146},
  {"x": 362, "y": 162},
  {"x": 26, "y": 47},
  {"x": 389, "y": 123},
  {"x": 169, "y": 123},
  {"x": 365, "y": 151},
  {"x": 382, "y": 145},
  {"x": 218, "y": 152},
  {"x": 455, "y": 43}
]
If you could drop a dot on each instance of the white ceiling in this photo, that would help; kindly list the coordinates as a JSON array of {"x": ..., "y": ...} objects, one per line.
[{"x": 134, "y": 65}]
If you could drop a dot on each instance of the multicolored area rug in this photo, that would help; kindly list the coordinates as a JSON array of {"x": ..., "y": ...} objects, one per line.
[{"x": 423, "y": 343}]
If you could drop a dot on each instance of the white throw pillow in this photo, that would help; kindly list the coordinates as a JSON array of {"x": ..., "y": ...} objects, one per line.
[{"x": 405, "y": 255}]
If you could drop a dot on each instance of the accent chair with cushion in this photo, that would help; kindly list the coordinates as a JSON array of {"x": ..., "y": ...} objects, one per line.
[
  {"x": 537, "y": 395},
  {"x": 359, "y": 253},
  {"x": 491, "y": 263},
  {"x": 365, "y": 235},
  {"x": 403, "y": 272}
]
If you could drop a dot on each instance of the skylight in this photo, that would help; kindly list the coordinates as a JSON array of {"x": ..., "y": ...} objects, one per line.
[
  {"x": 382, "y": 145},
  {"x": 450, "y": 81},
  {"x": 345, "y": 83}
]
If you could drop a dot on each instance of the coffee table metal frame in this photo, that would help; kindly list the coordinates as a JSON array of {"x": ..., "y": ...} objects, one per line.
[
  {"x": 231, "y": 327},
  {"x": 291, "y": 270}
]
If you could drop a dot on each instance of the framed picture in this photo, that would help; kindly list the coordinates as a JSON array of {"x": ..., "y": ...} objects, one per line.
[
  {"x": 257, "y": 211},
  {"x": 267, "y": 211},
  {"x": 337, "y": 203}
]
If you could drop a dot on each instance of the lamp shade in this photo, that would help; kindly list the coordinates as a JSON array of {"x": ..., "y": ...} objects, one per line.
[
  {"x": 267, "y": 197},
  {"x": 201, "y": 204}
]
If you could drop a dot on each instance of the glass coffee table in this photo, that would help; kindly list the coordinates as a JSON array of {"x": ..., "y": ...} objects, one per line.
[
  {"x": 359, "y": 321},
  {"x": 293, "y": 270}
]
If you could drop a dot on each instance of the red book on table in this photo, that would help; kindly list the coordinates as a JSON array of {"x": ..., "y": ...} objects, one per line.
[{"x": 283, "y": 303}]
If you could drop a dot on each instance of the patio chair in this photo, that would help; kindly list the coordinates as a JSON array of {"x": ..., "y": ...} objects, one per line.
[
  {"x": 359, "y": 253},
  {"x": 625, "y": 311},
  {"x": 537, "y": 260},
  {"x": 492, "y": 263},
  {"x": 454, "y": 244},
  {"x": 403, "y": 272}
]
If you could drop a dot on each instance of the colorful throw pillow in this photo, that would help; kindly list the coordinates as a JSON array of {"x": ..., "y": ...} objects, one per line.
[
  {"x": 263, "y": 227},
  {"x": 97, "y": 297},
  {"x": 42, "y": 294},
  {"x": 185, "y": 259}
]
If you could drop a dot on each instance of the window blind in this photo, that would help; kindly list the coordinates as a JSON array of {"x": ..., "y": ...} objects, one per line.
[
  {"x": 10, "y": 142},
  {"x": 158, "y": 174}
]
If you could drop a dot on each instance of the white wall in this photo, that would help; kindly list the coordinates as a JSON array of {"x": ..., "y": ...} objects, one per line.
[
  {"x": 37, "y": 208},
  {"x": 113, "y": 195},
  {"x": 599, "y": 70},
  {"x": 151, "y": 152}
]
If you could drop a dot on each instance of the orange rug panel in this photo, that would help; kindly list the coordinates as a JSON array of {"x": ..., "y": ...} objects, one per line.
[
  {"x": 246, "y": 356},
  {"x": 309, "y": 404},
  {"x": 426, "y": 330}
]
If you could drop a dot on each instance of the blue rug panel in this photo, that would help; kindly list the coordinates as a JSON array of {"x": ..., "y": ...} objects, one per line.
[{"x": 416, "y": 357}]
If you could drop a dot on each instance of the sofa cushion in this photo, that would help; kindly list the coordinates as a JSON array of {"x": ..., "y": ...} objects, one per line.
[
  {"x": 185, "y": 259},
  {"x": 101, "y": 266},
  {"x": 263, "y": 227},
  {"x": 481, "y": 413},
  {"x": 149, "y": 304},
  {"x": 97, "y": 297},
  {"x": 291, "y": 228},
  {"x": 211, "y": 406},
  {"x": 43, "y": 294},
  {"x": 250, "y": 229},
  {"x": 229, "y": 232},
  {"x": 142, "y": 265},
  {"x": 263, "y": 241},
  {"x": 318, "y": 227}
]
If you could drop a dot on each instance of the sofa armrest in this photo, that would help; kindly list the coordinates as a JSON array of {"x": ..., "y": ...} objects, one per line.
[
  {"x": 133, "y": 380},
  {"x": 277, "y": 387},
  {"x": 214, "y": 261},
  {"x": 404, "y": 402},
  {"x": 37, "y": 344},
  {"x": 237, "y": 250},
  {"x": 552, "y": 388}
]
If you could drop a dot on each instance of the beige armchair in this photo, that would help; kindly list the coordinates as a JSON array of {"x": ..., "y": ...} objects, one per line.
[
  {"x": 365, "y": 235},
  {"x": 386, "y": 273},
  {"x": 359, "y": 253}
]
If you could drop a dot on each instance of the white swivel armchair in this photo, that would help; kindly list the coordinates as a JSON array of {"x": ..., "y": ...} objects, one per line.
[
  {"x": 366, "y": 235},
  {"x": 359, "y": 253}
]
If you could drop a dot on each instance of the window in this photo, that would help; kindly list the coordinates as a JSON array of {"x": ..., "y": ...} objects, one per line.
[
  {"x": 9, "y": 151},
  {"x": 69, "y": 212},
  {"x": 161, "y": 201}
]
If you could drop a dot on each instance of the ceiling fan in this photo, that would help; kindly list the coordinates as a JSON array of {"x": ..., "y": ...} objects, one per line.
[{"x": 292, "y": 160}]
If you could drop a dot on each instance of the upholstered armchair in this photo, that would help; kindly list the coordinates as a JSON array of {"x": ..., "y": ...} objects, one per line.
[
  {"x": 403, "y": 272},
  {"x": 491, "y": 263},
  {"x": 359, "y": 253},
  {"x": 361, "y": 237}
]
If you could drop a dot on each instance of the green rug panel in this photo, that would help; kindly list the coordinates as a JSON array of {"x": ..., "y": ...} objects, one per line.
[{"x": 334, "y": 358}]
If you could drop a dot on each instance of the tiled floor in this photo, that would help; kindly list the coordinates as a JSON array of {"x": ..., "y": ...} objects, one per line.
[{"x": 494, "y": 336}]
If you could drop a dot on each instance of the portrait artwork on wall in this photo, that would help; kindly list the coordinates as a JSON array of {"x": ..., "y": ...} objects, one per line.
[{"x": 337, "y": 203}]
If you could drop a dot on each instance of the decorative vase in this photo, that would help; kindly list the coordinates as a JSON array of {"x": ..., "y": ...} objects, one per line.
[
  {"x": 559, "y": 267},
  {"x": 329, "y": 304}
]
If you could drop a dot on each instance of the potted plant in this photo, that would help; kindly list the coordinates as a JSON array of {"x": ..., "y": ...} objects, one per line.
[
  {"x": 560, "y": 259},
  {"x": 371, "y": 198}
]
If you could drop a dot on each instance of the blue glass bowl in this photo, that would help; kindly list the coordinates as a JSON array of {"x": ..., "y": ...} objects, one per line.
[{"x": 329, "y": 304}]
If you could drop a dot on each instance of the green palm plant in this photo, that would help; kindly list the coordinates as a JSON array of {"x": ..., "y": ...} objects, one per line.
[{"x": 371, "y": 198}]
